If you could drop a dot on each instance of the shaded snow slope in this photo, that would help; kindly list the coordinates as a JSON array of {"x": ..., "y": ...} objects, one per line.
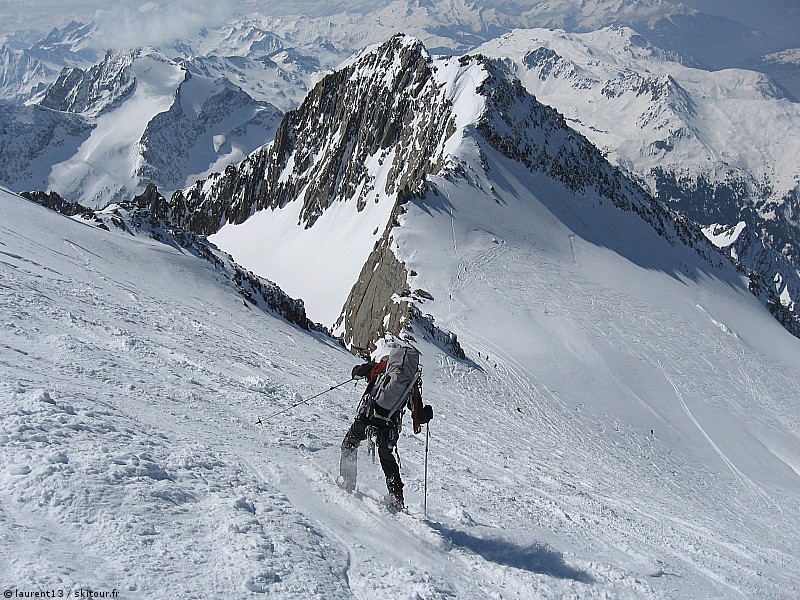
[{"x": 319, "y": 264}]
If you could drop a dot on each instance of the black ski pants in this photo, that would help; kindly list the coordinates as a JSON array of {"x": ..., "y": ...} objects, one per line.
[{"x": 387, "y": 436}]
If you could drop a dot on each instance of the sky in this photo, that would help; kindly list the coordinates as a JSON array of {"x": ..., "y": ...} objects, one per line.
[{"x": 778, "y": 18}]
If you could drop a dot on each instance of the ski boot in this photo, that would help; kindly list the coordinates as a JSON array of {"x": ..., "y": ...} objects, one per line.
[{"x": 395, "y": 502}]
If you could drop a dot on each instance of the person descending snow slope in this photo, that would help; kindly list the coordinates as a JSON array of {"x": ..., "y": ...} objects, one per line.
[{"x": 393, "y": 383}]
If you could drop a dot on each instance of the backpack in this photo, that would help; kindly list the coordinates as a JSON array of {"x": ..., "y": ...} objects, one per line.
[{"x": 392, "y": 387}]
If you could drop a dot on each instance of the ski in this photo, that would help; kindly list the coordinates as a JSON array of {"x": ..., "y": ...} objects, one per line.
[{"x": 378, "y": 503}]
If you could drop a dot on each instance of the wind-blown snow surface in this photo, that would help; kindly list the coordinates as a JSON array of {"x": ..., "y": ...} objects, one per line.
[{"x": 132, "y": 377}]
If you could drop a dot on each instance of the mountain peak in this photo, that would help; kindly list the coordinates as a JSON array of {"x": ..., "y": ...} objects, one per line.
[
  {"x": 95, "y": 89},
  {"x": 368, "y": 130}
]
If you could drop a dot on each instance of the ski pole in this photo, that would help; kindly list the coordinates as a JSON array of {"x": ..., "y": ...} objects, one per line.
[
  {"x": 425, "y": 485},
  {"x": 296, "y": 404}
]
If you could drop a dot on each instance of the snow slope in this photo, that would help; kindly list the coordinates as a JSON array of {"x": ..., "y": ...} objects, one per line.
[
  {"x": 318, "y": 264},
  {"x": 625, "y": 425}
]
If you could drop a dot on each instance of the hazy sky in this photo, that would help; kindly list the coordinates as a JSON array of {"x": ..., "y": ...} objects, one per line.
[{"x": 778, "y": 18}]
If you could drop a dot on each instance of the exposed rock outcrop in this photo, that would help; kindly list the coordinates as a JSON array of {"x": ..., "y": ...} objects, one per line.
[{"x": 384, "y": 106}]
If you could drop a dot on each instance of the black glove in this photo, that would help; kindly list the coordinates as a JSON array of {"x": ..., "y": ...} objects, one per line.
[
  {"x": 426, "y": 414},
  {"x": 362, "y": 371}
]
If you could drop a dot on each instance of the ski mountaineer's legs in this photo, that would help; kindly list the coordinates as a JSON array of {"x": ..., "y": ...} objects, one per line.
[
  {"x": 387, "y": 440},
  {"x": 348, "y": 465}
]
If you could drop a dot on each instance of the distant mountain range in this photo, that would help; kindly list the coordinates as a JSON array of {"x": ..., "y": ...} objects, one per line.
[{"x": 104, "y": 133}]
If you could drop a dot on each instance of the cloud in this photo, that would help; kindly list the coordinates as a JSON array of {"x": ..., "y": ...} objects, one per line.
[{"x": 134, "y": 24}]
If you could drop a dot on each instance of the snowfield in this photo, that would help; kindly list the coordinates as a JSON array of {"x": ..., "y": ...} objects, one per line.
[{"x": 625, "y": 425}]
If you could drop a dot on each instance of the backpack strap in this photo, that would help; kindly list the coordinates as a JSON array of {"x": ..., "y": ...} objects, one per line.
[{"x": 416, "y": 406}]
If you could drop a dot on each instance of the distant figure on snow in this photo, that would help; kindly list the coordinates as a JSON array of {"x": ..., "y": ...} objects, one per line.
[{"x": 393, "y": 383}]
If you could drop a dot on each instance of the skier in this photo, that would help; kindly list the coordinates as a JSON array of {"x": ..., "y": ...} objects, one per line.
[{"x": 375, "y": 420}]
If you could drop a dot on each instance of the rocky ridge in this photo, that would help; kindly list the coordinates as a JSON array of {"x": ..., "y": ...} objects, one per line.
[
  {"x": 384, "y": 106},
  {"x": 94, "y": 90},
  {"x": 388, "y": 105}
]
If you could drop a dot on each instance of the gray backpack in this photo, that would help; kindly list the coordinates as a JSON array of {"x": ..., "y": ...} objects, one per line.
[{"x": 393, "y": 387}]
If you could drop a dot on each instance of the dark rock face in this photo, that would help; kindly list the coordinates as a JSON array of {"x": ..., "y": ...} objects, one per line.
[
  {"x": 736, "y": 198},
  {"x": 767, "y": 250},
  {"x": 153, "y": 201},
  {"x": 385, "y": 104},
  {"x": 98, "y": 88},
  {"x": 373, "y": 298},
  {"x": 771, "y": 274},
  {"x": 55, "y": 202}
]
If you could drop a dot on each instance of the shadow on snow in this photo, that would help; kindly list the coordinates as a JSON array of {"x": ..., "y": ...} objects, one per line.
[{"x": 536, "y": 558}]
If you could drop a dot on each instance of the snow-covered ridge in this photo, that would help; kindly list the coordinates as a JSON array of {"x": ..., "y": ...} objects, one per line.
[
  {"x": 133, "y": 119},
  {"x": 144, "y": 216},
  {"x": 362, "y": 141},
  {"x": 717, "y": 147}
]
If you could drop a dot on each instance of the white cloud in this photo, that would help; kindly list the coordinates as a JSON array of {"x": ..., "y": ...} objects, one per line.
[{"x": 136, "y": 24}]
